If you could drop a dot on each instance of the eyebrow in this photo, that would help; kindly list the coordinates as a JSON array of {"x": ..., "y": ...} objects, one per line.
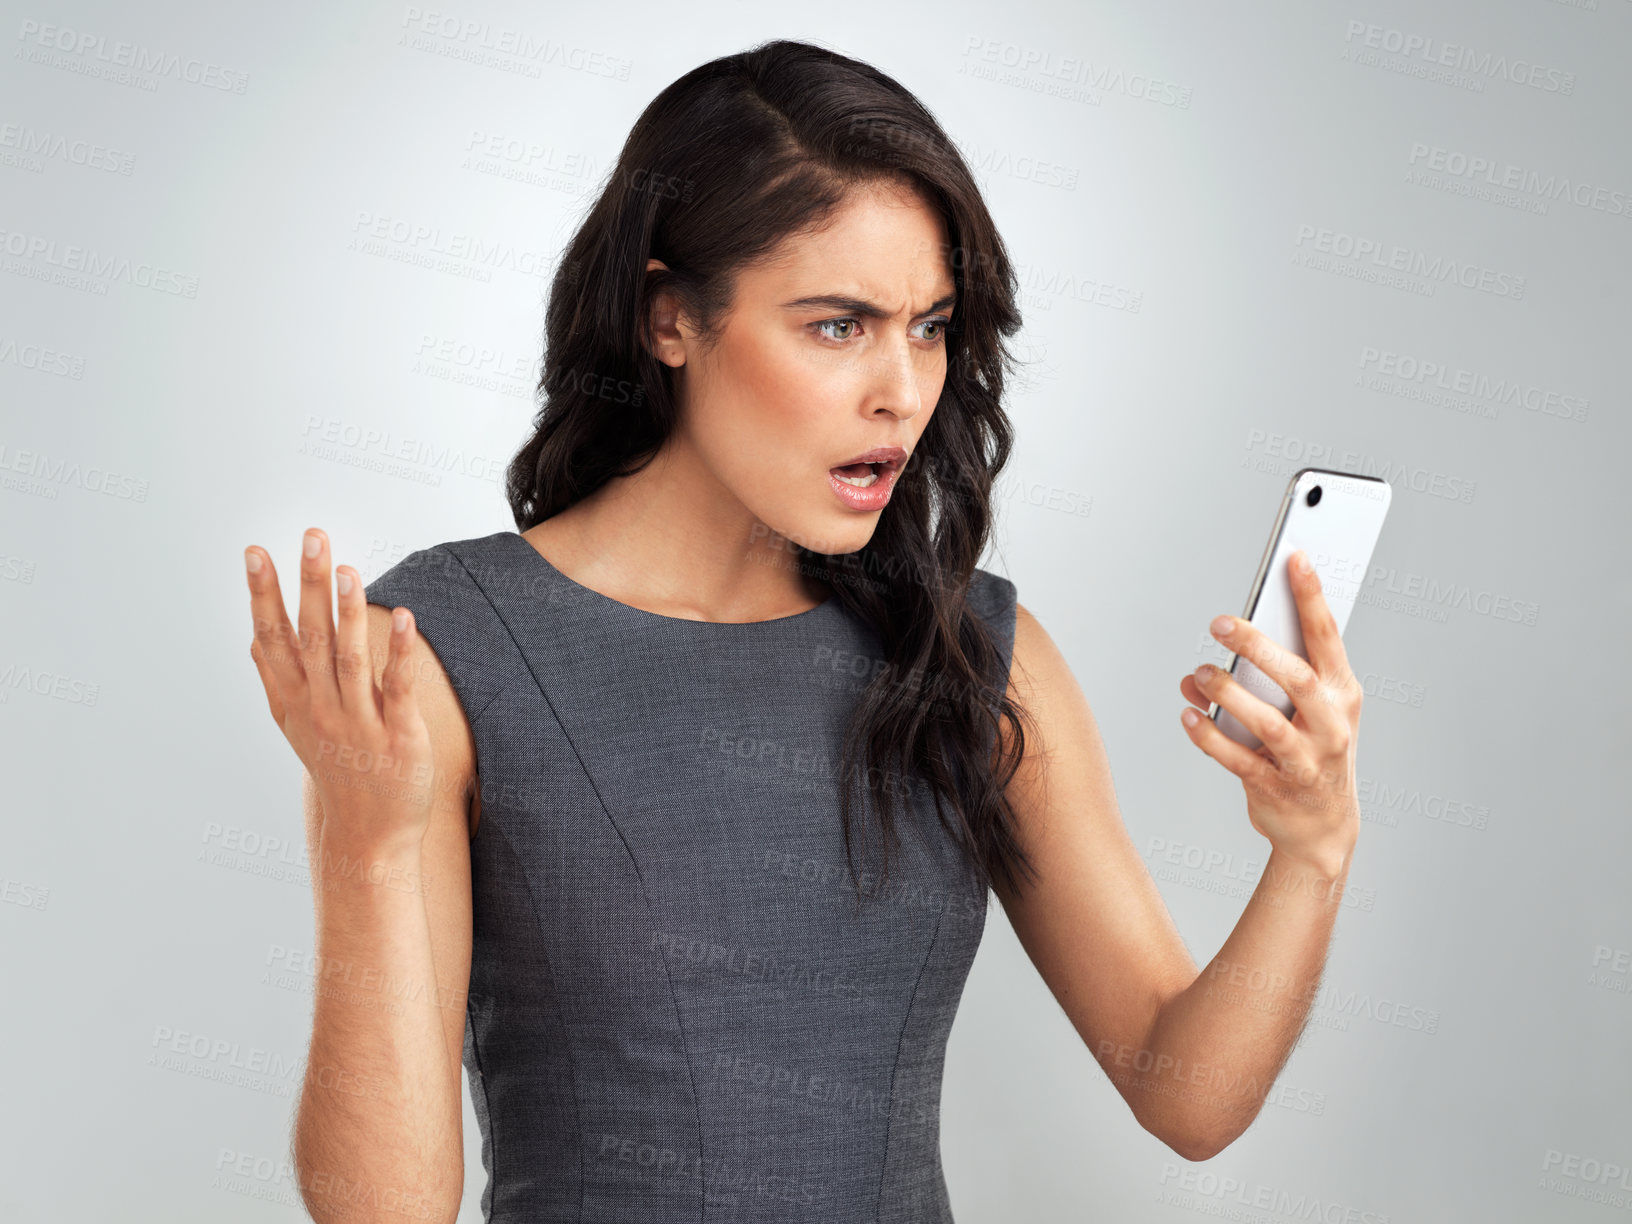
[{"x": 860, "y": 306}]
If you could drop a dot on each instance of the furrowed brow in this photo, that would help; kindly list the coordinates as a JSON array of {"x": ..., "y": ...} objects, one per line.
[{"x": 859, "y": 306}]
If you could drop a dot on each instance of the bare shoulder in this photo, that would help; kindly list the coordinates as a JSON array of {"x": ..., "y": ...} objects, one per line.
[
  {"x": 1042, "y": 685},
  {"x": 1056, "y": 713},
  {"x": 1093, "y": 890},
  {"x": 1035, "y": 663},
  {"x": 453, "y": 745}
]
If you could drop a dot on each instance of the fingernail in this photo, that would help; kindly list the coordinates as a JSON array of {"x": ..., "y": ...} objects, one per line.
[
  {"x": 313, "y": 545},
  {"x": 1302, "y": 562},
  {"x": 343, "y": 581},
  {"x": 1204, "y": 673},
  {"x": 399, "y": 620},
  {"x": 252, "y": 561},
  {"x": 1190, "y": 717},
  {"x": 1222, "y": 626}
]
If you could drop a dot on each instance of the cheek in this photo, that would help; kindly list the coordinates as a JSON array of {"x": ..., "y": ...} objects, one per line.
[{"x": 777, "y": 407}]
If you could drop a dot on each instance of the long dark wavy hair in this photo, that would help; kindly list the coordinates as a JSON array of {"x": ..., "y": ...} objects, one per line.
[{"x": 725, "y": 163}]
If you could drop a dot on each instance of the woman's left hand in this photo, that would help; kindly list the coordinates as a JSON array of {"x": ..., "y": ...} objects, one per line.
[{"x": 1300, "y": 782}]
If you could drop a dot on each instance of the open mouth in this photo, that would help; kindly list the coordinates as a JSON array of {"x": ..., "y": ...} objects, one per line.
[
  {"x": 865, "y": 483},
  {"x": 861, "y": 475}
]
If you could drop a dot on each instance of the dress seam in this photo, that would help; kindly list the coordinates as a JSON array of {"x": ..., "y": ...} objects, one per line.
[
  {"x": 503, "y": 689},
  {"x": 532, "y": 901},
  {"x": 895, "y": 1066},
  {"x": 635, "y": 862}
]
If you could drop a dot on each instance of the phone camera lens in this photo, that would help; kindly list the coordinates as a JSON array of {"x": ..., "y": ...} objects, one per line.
[{"x": 1314, "y": 496}]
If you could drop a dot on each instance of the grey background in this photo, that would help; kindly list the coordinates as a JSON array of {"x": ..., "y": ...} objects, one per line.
[{"x": 1188, "y": 353}]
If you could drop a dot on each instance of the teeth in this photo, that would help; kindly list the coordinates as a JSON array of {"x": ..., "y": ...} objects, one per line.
[{"x": 861, "y": 482}]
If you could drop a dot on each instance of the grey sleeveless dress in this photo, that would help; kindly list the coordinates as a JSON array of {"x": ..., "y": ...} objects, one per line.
[{"x": 676, "y": 1011}]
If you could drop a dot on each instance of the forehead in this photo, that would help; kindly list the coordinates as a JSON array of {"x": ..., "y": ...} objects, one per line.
[{"x": 884, "y": 243}]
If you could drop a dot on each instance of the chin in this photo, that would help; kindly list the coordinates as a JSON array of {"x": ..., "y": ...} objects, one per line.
[
  {"x": 832, "y": 534},
  {"x": 849, "y": 534}
]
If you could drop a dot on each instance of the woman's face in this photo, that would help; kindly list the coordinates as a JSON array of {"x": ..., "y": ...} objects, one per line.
[{"x": 833, "y": 347}]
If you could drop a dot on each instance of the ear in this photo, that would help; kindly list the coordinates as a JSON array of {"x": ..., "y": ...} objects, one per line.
[{"x": 667, "y": 341}]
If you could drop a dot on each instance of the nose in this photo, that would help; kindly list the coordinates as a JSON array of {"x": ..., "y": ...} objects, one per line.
[{"x": 901, "y": 380}]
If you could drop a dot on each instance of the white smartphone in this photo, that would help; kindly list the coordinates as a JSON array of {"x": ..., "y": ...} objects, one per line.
[{"x": 1336, "y": 518}]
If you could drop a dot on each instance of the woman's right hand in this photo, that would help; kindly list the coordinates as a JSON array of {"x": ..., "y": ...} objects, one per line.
[{"x": 365, "y": 746}]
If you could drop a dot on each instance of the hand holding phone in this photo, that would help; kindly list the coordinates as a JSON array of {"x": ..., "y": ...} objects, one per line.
[{"x": 1334, "y": 517}]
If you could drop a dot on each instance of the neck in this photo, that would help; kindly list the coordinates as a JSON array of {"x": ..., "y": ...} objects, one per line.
[{"x": 671, "y": 539}]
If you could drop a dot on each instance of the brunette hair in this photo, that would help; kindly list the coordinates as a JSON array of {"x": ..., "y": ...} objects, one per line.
[{"x": 723, "y": 165}]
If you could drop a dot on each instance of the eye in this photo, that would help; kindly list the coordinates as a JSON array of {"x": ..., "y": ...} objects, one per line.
[
  {"x": 939, "y": 322},
  {"x": 834, "y": 322}
]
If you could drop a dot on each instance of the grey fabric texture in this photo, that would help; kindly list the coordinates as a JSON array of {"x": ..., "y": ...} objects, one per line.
[{"x": 676, "y": 1010}]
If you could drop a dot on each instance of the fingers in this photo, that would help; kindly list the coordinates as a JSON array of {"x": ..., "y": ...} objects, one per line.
[
  {"x": 275, "y": 638},
  {"x": 1292, "y": 672},
  {"x": 356, "y": 679},
  {"x": 401, "y": 706},
  {"x": 317, "y": 623},
  {"x": 1237, "y": 758},
  {"x": 1192, "y": 694},
  {"x": 1321, "y": 638},
  {"x": 1272, "y": 727},
  {"x": 268, "y": 681}
]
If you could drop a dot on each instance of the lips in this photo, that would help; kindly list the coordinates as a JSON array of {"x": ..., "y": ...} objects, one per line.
[
  {"x": 865, "y": 482},
  {"x": 869, "y": 467}
]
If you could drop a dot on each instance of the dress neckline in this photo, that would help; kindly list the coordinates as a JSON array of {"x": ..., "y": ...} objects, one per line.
[{"x": 595, "y": 596}]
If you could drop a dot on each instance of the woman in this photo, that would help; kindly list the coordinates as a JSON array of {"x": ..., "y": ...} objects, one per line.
[{"x": 673, "y": 817}]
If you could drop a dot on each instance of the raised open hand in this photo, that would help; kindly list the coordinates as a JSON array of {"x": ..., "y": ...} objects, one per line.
[{"x": 364, "y": 744}]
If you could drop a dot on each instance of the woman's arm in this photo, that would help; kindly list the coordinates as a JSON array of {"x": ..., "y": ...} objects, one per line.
[
  {"x": 380, "y": 1116},
  {"x": 378, "y": 1133},
  {"x": 1192, "y": 1054}
]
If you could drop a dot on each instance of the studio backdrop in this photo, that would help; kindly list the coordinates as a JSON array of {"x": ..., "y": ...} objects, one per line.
[{"x": 280, "y": 266}]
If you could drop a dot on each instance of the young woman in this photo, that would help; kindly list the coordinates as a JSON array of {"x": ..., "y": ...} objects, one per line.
[{"x": 672, "y": 816}]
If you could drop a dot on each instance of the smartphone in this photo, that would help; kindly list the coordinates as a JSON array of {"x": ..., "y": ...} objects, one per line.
[{"x": 1336, "y": 518}]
